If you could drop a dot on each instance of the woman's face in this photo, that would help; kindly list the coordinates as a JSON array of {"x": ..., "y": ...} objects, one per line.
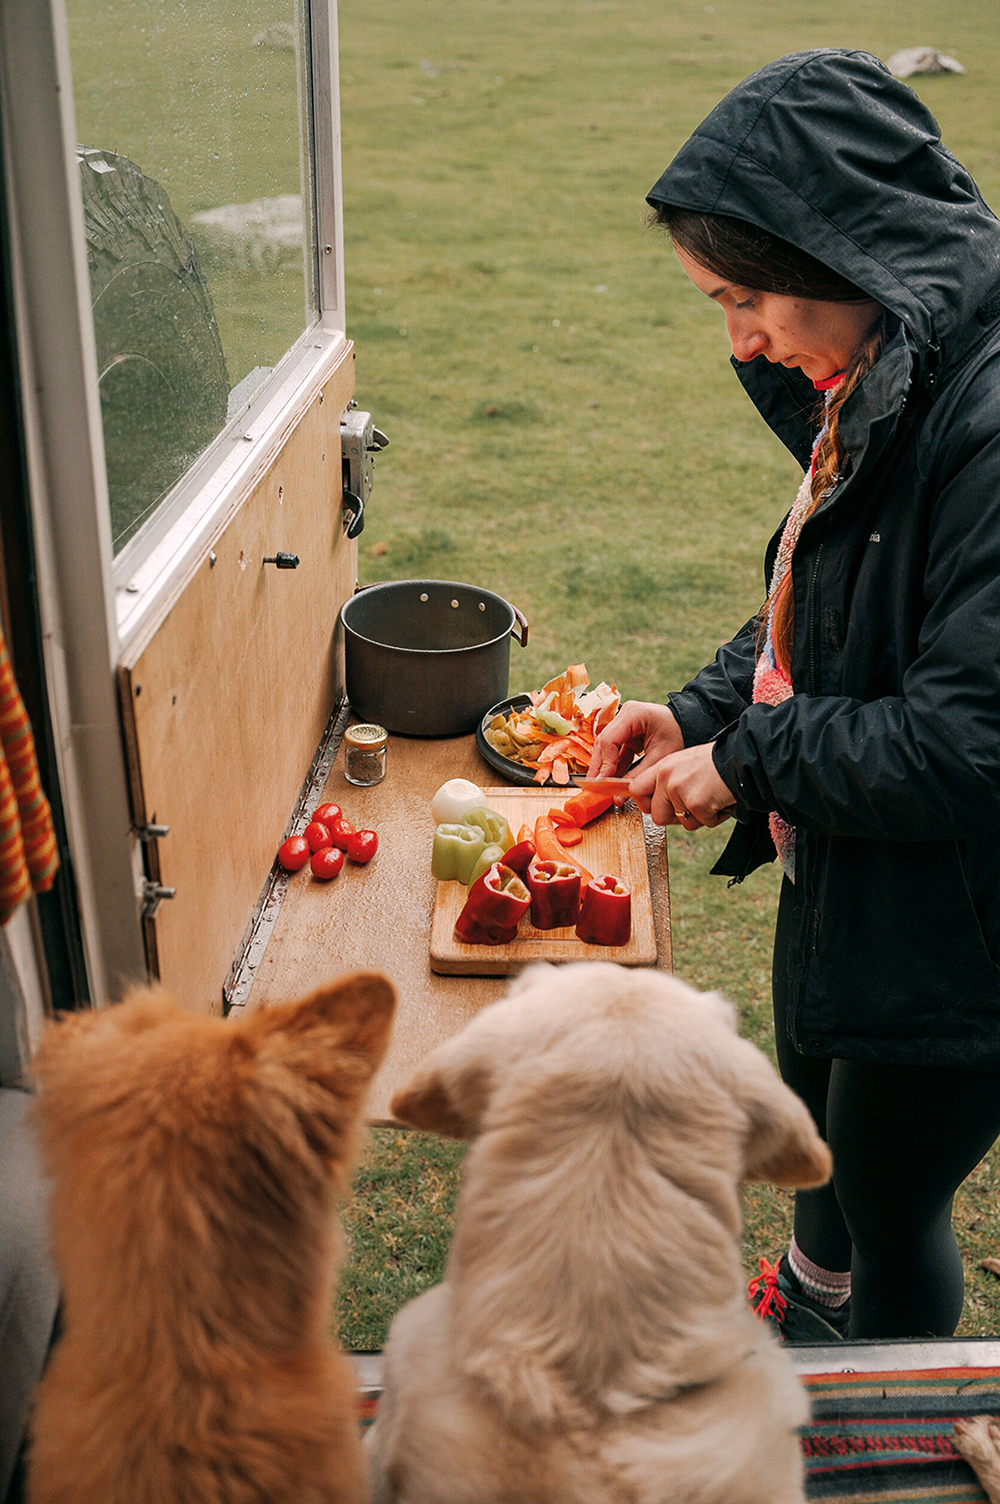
[{"x": 802, "y": 333}]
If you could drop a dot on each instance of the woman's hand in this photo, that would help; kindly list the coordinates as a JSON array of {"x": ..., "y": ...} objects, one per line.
[
  {"x": 638, "y": 727},
  {"x": 683, "y": 788}
]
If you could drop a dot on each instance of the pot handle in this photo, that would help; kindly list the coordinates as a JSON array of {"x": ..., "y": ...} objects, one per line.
[{"x": 522, "y": 622}]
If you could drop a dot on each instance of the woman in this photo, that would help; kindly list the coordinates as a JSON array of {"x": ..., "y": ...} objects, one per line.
[{"x": 853, "y": 727}]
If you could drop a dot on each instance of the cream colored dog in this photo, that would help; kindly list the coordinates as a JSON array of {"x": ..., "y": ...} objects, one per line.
[{"x": 592, "y": 1342}]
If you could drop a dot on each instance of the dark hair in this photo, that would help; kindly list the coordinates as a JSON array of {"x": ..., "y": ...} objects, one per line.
[{"x": 753, "y": 258}]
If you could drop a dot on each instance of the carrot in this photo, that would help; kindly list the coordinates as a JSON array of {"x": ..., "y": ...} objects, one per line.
[
  {"x": 549, "y": 849},
  {"x": 551, "y": 755},
  {"x": 587, "y": 805},
  {"x": 568, "y": 833}
]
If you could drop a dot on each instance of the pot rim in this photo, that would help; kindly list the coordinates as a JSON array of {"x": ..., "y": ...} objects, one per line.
[{"x": 392, "y": 647}]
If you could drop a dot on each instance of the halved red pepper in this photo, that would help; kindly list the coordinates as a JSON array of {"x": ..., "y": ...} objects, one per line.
[
  {"x": 520, "y": 855},
  {"x": 496, "y": 904},
  {"x": 605, "y": 912},
  {"x": 549, "y": 850},
  {"x": 555, "y": 894}
]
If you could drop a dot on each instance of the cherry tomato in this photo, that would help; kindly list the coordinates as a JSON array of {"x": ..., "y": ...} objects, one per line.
[
  {"x": 326, "y": 862},
  {"x": 327, "y": 813},
  {"x": 340, "y": 830},
  {"x": 293, "y": 853},
  {"x": 317, "y": 835},
  {"x": 362, "y": 845}
]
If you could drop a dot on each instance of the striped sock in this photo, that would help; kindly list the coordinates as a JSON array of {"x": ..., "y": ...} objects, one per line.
[{"x": 827, "y": 1287}]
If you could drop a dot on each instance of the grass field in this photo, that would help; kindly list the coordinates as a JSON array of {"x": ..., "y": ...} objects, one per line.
[{"x": 564, "y": 425}]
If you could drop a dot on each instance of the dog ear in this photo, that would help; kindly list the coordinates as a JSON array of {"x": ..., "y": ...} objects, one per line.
[
  {"x": 448, "y": 1094},
  {"x": 782, "y": 1146},
  {"x": 351, "y": 1016}
]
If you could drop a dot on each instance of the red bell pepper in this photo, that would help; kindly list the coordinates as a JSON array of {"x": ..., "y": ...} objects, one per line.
[
  {"x": 520, "y": 856},
  {"x": 496, "y": 903},
  {"x": 605, "y": 912},
  {"x": 549, "y": 850},
  {"x": 555, "y": 894}
]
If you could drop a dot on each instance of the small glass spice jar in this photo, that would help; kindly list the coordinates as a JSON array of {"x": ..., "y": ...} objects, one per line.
[{"x": 364, "y": 754}]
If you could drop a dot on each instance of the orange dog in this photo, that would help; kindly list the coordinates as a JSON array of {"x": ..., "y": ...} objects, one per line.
[{"x": 195, "y": 1164}]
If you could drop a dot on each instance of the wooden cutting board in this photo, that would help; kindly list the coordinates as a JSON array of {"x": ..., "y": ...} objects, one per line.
[{"x": 614, "y": 843}]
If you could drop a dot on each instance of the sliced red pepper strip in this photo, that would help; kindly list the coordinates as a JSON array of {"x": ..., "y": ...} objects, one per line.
[
  {"x": 496, "y": 903},
  {"x": 605, "y": 912},
  {"x": 549, "y": 849},
  {"x": 555, "y": 894},
  {"x": 518, "y": 857}
]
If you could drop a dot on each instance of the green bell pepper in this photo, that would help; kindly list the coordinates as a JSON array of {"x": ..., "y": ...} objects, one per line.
[
  {"x": 456, "y": 850},
  {"x": 496, "y": 831},
  {"x": 489, "y": 854}
]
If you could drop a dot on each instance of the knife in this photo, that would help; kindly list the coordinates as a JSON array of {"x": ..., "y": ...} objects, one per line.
[{"x": 608, "y": 785}]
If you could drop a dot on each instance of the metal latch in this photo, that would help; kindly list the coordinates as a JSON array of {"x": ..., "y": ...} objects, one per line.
[
  {"x": 153, "y": 895},
  {"x": 360, "y": 441}
]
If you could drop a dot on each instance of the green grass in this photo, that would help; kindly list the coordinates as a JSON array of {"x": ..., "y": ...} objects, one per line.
[{"x": 564, "y": 426}]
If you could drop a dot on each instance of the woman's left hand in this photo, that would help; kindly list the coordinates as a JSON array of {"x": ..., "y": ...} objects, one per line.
[{"x": 683, "y": 789}]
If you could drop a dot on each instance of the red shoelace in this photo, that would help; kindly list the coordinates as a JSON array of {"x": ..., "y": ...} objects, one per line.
[{"x": 772, "y": 1302}]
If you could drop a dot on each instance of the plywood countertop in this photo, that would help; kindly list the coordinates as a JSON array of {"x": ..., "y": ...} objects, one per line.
[{"x": 378, "y": 917}]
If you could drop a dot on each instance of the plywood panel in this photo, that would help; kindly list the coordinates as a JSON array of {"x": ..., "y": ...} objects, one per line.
[
  {"x": 379, "y": 917},
  {"x": 227, "y": 702}
]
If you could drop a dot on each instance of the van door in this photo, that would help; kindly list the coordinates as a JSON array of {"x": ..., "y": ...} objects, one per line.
[{"x": 178, "y": 287}]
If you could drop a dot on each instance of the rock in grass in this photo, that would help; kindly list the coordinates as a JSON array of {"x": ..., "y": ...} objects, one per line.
[{"x": 911, "y": 60}]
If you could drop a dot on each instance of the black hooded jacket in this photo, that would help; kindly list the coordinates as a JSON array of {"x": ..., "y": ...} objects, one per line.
[{"x": 887, "y": 757}]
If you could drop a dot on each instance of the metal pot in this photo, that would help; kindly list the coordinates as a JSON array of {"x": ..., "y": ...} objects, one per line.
[{"x": 428, "y": 657}]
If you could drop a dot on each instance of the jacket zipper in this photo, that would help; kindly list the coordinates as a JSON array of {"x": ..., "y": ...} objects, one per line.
[
  {"x": 814, "y": 634},
  {"x": 812, "y": 923}
]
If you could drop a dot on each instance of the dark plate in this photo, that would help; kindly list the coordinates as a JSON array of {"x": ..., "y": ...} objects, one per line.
[{"x": 514, "y": 772}]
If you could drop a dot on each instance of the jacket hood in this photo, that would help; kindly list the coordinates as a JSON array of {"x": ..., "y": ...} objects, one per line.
[{"x": 830, "y": 152}]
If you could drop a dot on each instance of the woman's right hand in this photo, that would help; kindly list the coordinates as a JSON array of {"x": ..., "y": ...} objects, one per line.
[{"x": 640, "y": 726}]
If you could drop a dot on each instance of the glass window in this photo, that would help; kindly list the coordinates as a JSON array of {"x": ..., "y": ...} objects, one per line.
[{"x": 194, "y": 166}]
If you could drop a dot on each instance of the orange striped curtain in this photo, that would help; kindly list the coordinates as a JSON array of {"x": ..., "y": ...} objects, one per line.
[{"x": 28, "y": 857}]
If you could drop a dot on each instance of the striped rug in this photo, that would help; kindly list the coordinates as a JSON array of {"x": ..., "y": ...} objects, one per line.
[
  {"x": 877, "y": 1438},
  {"x": 888, "y": 1437}
]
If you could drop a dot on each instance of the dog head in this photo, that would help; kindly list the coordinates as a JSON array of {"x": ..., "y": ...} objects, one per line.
[
  {"x": 194, "y": 1153},
  {"x": 610, "y": 1035}
]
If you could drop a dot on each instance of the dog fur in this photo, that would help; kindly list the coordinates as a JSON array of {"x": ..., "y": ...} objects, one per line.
[
  {"x": 195, "y": 1164},
  {"x": 978, "y": 1440},
  {"x": 592, "y": 1343}
]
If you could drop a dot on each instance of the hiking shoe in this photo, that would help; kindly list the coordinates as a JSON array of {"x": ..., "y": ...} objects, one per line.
[{"x": 777, "y": 1298}]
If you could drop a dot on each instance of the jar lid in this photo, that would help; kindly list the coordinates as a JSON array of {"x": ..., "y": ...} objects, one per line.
[{"x": 370, "y": 737}]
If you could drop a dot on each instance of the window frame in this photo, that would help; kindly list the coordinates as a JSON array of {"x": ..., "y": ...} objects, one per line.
[{"x": 88, "y": 612}]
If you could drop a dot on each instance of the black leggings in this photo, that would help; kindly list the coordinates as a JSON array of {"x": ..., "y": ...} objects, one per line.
[{"x": 903, "y": 1138}]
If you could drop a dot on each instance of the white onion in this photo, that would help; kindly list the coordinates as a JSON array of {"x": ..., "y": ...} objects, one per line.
[{"x": 454, "y": 799}]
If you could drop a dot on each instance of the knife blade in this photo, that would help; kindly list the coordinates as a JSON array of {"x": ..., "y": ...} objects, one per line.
[{"x": 607, "y": 785}]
